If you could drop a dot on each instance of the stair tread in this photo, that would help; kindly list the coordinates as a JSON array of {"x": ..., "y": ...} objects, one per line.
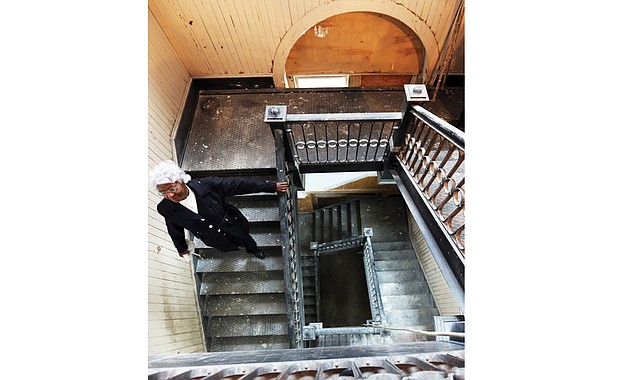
[
  {"x": 411, "y": 317},
  {"x": 245, "y": 263},
  {"x": 394, "y": 265},
  {"x": 391, "y": 245},
  {"x": 247, "y": 325},
  {"x": 245, "y": 304},
  {"x": 393, "y": 254},
  {"x": 246, "y": 287},
  {"x": 405, "y": 302},
  {"x": 400, "y": 276},
  {"x": 395, "y": 288},
  {"x": 249, "y": 343}
]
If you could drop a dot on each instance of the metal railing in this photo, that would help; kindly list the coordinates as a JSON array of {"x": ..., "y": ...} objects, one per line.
[
  {"x": 320, "y": 141},
  {"x": 290, "y": 251},
  {"x": 433, "y": 156},
  {"x": 428, "y": 152},
  {"x": 314, "y": 330},
  {"x": 374, "y": 292}
]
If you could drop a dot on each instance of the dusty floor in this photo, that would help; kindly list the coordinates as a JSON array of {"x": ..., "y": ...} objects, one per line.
[{"x": 228, "y": 131}]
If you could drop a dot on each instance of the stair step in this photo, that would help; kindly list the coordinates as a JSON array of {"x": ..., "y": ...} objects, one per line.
[
  {"x": 272, "y": 238},
  {"x": 336, "y": 222},
  {"x": 310, "y": 309},
  {"x": 242, "y": 283},
  {"x": 404, "y": 302},
  {"x": 258, "y": 209},
  {"x": 309, "y": 299},
  {"x": 247, "y": 325},
  {"x": 307, "y": 272},
  {"x": 249, "y": 343},
  {"x": 245, "y": 304},
  {"x": 411, "y": 317},
  {"x": 307, "y": 260},
  {"x": 399, "y": 276},
  {"x": 309, "y": 291},
  {"x": 390, "y": 265},
  {"x": 391, "y": 246},
  {"x": 246, "y": 263},
  {"x": 398, "y": 289},
  {"x": 405, "y": 254},
  {"x": 211, "y": 253},
  {"x": 308, "y": 281},
  {"x": 355, "y": 218}
]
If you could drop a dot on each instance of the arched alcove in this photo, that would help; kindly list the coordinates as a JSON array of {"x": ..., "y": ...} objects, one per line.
[
  {"x": 398, "y": 15},
  {"x": 360, "y": 43}
]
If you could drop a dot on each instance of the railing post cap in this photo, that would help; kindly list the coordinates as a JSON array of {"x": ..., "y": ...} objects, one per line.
[
  {"x": 368, "y": 231},
  {"x": 275, "y": 113},
  {"x": 416, "y": 93}
]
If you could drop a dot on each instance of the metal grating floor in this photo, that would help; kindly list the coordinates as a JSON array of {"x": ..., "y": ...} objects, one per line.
[{"x": 228, "y": 132}]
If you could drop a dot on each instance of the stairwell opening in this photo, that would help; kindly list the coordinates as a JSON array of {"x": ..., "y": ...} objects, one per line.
[{"x": 344, "y": 294}]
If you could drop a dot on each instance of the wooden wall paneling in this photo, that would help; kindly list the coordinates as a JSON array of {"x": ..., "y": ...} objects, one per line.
[
  {"x": 227, "y": 39},
  {"x": 272, "y": 33},
  {"x": 445, "y": 301},
  {"x": 231, "y": 63},
  {"x": 212, "y": 62},
  {"x": 240, "y": 27},
  {"x": 276, "y": 16},
  {"x": 294, "y": 10},
  {"x": 444, "y": 20},
  {"x": 158, "y": 132},
  {"x": 192, "y": 31},
  {"x": 170, "y": 275},
  {"x": 170, "y": 65},
  {"x": 259, "y": 40},
  {"x": 263, "y": 35},
  {"x": 238, "y": 35},
  {"x": 227, "y": 44},
  {"x": 161, "y": 291},
  {"x": 176, "y": 348},
  {"x": 434, "y": 11},
  {"x": 160, "y": 87},
  {"x": 309, "y": 5},
  {"x": 457, "y": 66},
  {"x": 424, "y": 10},
  {"x": 180, "y": 337},
  {"x": 168, "y": 18},
  {"x": 160, "y": 327}
]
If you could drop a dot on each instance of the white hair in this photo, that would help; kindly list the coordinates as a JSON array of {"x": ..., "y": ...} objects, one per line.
[{"x": 167, "y": 172}]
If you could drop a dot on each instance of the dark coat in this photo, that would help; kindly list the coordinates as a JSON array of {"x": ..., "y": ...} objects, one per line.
[{"x": 210, "y": 226}]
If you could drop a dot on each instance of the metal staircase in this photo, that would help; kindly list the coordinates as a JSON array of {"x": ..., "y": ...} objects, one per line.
[
  {"x": 242, "y": 298},
  {"x": 405, "y": 295},
  {"x": 407, "y": 300}
]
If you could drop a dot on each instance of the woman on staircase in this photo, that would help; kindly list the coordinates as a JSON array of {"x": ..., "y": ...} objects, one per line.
[{"x": 199, "y": 206}]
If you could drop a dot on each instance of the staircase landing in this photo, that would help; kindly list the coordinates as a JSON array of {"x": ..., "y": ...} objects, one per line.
[{"x": 227, "y": 132}]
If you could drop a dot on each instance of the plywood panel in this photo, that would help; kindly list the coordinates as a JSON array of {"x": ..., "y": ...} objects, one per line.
[{"x": 356, "y": 43}]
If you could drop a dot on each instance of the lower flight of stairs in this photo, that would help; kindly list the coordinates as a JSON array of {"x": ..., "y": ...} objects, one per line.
[
  {"x": 242, "y": 298},
  {"x": 406, "y": 296}
]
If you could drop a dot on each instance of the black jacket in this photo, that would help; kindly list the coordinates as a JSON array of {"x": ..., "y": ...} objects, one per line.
[{"x": 209, "y": 225}]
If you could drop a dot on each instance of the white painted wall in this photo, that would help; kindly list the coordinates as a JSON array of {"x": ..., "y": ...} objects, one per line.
[
  {"x": 446, "y": 303},
  {"x": 173, "y": 317}
]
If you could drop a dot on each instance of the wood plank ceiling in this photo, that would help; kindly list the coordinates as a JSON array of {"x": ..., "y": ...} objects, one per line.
[{"x": 219, "y": 38}]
